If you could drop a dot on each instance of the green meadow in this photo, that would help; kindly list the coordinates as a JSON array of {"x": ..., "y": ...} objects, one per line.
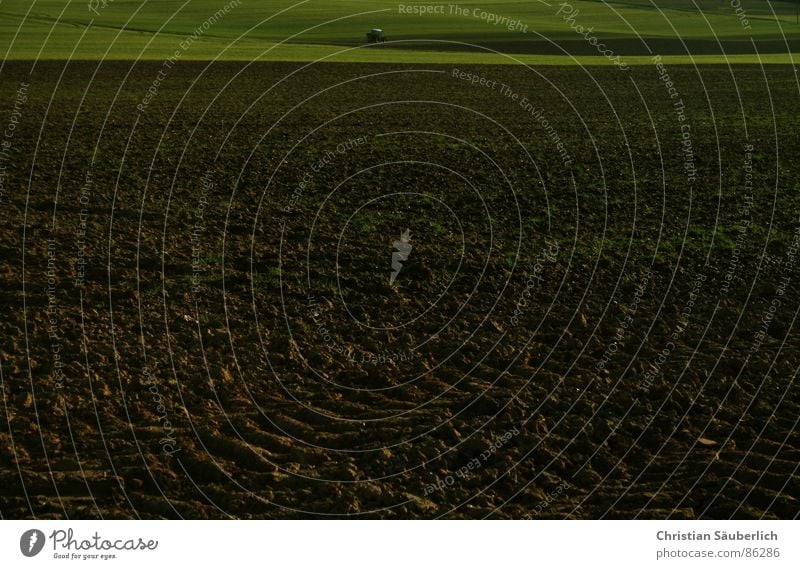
[{"x": 489, "y": 31}]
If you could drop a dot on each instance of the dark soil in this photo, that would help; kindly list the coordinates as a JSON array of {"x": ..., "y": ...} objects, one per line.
[{"x": 578, "y": 332}]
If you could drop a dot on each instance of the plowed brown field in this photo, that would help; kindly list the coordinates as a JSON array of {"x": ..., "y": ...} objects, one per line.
[{"x": 596, "y": 318}]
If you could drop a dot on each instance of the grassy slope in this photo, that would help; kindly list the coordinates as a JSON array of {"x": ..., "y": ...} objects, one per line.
[{"x": 55, "y": 29}]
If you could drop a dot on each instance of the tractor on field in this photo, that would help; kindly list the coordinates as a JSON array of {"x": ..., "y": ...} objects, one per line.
[{"x": 376, "y": 35}]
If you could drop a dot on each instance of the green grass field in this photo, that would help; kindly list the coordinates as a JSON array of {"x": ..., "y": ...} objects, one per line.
[{"x": 703, "y": 31}]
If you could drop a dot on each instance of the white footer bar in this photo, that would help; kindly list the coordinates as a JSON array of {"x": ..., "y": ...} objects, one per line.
[{"x": 400, "y": 544}]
